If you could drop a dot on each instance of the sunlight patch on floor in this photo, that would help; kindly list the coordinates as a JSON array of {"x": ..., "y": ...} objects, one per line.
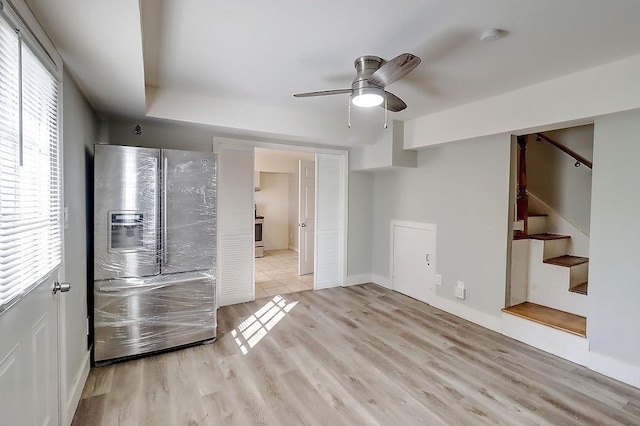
[{"x": 253, "y": 329}]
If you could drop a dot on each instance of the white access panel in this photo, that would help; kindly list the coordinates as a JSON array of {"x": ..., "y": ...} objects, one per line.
[
  {"x": 330, "y": 244},
  {"x": 235, "y": 225},
  {"x": 413, "y": 259}
]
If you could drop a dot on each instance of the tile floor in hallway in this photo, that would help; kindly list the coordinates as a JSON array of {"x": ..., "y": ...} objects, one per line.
[{"x": 277, "y": 273}]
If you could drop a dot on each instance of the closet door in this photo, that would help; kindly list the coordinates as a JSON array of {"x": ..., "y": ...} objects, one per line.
[
  {"x": 235, "y": 225},
  {"x": 330, "y": 242},
  {"x": 413, "y": 262}
]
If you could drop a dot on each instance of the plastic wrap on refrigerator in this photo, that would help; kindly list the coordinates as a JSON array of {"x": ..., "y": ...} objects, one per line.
[{"x": 154, "y": 250}]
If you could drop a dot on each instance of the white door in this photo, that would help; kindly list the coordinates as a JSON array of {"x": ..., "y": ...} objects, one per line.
[
  {"x": 331, "y": 202},
  {"x": 236, "y": 225},
  {"x": 29, "y": 358},
  {"x": 413, "y": 260},
  {"x": 306, "y": 213}
]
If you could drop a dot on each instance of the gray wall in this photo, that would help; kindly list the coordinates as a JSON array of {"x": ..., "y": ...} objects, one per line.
[
  {"x": 614, "y": 267},
  {"x": 552, "y": 176},
  {"x": 79, "y": 134},
  {"x": 160, "y": 134},
  {"x": 360, "y": 226},
  {"x": 463, "y": 188}
]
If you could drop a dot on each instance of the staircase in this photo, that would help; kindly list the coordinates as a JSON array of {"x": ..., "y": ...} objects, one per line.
[
  {"x": 548, "y": 291},
  {"x": 554, "y": 283}
]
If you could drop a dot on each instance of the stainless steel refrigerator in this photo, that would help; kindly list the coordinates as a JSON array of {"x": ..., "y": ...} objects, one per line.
[{"x": 154, "y": 250}]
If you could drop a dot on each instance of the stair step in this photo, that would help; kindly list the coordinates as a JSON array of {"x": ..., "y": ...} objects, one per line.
[
  {"x": 547, "y": 237},
  {"x": 570, "y": 323},
  {"x": 538, "y": 215},
  {"x": 567, "y": 261},
  {"x": 580, "y": 288}
]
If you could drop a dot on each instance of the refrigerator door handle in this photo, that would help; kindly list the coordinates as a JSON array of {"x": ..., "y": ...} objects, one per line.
[
  {"x": 157, "y": 246},
  {"x": 165, "y": 168}
]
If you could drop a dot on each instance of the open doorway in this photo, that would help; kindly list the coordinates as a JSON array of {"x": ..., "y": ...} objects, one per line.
[
  {"x": 550, "y": 248},
  {"x": 284, "y": 207}
]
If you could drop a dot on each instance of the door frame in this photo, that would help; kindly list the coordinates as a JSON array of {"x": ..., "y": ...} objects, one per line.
[
  {"x": 217, "y": 141},
  {"x": 415, "y": 225}
]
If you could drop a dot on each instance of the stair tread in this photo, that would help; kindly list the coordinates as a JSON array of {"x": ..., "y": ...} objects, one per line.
[
  {"x": 546, "y": 237},
  {"x": 567, "y": 260},
  {"x": 565, "y": 321},
  {"x": 538, "y": 215},
  {"x": 580, "y": 288}
]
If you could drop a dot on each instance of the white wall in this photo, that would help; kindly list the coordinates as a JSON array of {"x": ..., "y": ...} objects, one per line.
[
  {"x": 614, "y": 273},
  {"x": 463, "y": 188},
  {"x": 273, "y": 203},
  {"x": 80, "y": 128},
  {"x": 553, "y": 178}
]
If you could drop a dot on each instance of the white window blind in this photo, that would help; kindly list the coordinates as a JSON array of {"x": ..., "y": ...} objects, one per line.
[{"x": 30, "y": 190}]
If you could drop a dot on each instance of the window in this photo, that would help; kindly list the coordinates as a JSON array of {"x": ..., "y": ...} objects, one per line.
[{"x": 30, "y": 190}]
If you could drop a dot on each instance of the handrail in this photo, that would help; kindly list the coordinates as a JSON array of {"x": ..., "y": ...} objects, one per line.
[
  {"x": 522, "y": 201},
  {"x": 579, "y": 158}
]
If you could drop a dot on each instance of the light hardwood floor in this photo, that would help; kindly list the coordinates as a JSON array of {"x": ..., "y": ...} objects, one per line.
[{"x": 360, "y": 355}]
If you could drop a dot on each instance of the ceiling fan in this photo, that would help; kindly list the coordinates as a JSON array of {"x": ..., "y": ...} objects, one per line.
[{"x": 373, "y": 74}]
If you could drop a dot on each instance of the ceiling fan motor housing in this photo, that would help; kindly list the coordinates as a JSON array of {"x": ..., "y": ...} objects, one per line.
[{"x": 365, "y": 67}]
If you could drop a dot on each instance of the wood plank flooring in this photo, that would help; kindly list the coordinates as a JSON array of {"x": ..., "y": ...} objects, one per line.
[{"x": 360, "y": 355}]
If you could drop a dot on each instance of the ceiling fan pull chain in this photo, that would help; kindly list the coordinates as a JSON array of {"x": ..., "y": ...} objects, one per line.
[
  {"x": 385, "y": 109},
  {"x": 349, "y": 114}
]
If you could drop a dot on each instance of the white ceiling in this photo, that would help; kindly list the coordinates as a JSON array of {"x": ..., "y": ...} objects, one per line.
[{"x": 236, "y": 65}]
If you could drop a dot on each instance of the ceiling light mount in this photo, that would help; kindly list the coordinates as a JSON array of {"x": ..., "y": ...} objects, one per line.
[{"x": 491, "y": 35}]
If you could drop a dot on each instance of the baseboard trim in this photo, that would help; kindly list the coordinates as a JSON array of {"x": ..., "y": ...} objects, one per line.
[
  {"x": 381, "y": 280},
  {"x": 467, "y": 313},
  {"x": 292, "y": 248},
  {"x": 614, "y": 368},
  {"x": 76, "y": 392},
  {"x": 358, "y": 279}
]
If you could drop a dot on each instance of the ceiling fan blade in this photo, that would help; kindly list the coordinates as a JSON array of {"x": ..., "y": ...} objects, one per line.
[
  {"x": 394, "y": 70},
  {"x": 322, "y": 93},
  {"x": 394, "y": 103}
]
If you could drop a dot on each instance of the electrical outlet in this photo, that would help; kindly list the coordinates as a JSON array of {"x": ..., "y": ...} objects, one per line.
[
  {"x": 438, "y": 279},
  {"x": 460, "y": 290}
]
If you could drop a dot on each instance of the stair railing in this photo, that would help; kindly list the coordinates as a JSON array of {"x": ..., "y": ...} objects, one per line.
[
  {"x": 579, "y": 158},
  {"x": 522, "y": 201}
]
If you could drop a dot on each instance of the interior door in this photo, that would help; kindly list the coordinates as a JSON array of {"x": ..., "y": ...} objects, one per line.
[
  {"x": 413, "y": 264},
  {"x": 188, "y": 211},
  {"x": 330, "y": 235},
  {"x": 29, "y": 358},
  {"x": 306, "y": 213}
]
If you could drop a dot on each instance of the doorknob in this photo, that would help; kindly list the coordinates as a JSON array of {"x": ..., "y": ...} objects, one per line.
[
  {"x": 303, "y": 225},
  {"x": 61, "y": 287}
]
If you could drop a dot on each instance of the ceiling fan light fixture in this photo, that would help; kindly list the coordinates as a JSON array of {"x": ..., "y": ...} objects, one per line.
[{"x": 367, "y": 97}]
